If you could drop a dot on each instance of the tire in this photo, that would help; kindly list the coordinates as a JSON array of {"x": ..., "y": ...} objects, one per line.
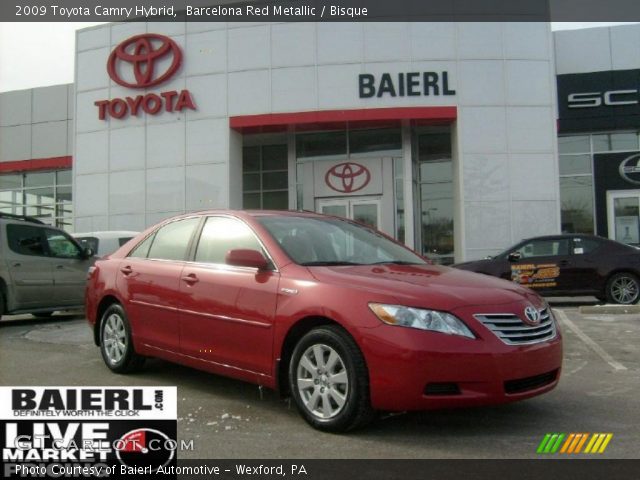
[
  {"x": 116, "y": 345},
  {"x": 331, "y": 394},
  {"x": 623, "y": 288}
]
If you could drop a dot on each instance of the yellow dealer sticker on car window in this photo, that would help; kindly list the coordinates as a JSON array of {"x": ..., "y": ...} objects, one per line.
[{"x": 536, "y": 276}]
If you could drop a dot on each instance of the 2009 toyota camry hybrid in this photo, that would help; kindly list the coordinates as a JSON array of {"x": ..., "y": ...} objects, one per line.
[{"x": 337, "y": 315}]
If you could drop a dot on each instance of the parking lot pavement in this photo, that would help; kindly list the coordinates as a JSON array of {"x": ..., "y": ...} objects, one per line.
[{"x": 598, "y": 392}]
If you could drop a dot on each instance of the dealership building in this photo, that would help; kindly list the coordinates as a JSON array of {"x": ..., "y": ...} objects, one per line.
[{"x": 458, "y": 139}]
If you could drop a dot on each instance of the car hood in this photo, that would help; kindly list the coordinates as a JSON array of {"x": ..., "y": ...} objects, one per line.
[{"x": 429, "y": 286}]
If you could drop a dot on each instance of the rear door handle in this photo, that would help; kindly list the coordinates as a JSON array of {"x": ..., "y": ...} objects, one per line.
[
  {"x": 17, "y": 264},
  {"x": 126, "y": 270},
  {"x": 59, "y": 267},
  {"x": 191, "y": 278},
  {"x": 564, "y": 263}
]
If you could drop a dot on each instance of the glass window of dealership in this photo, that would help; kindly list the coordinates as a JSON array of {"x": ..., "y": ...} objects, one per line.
[
  {"x": 271, "y": 162},
  {"x": 577, "y": 156},
  {"x": 45, "y": 196}
]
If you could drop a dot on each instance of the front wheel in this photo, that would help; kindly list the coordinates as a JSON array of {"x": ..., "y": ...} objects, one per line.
[
  {"x": 329, "y": 381},
  {"x": 115, "y": 341},
  {"x": 623, "y": 288}
]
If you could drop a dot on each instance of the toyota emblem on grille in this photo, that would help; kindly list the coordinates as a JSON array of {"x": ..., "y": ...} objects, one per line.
[{"x": 531, "y": 315}]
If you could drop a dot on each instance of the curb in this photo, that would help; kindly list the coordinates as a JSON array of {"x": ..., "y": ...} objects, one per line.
[{"x": 610, "y": 309}]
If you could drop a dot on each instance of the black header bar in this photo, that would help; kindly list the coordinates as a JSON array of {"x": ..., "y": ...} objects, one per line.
[{"x": 320, "y": 10}]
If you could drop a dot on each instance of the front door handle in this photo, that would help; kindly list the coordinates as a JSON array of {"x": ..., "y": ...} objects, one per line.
[
  {"x": 17, "y": 264},
  {"x": 59, "y": 267},
  {"x": 127, "y": 270},
  {"x": 190, "y": 279},
  {"x": 564, "y": 263}
]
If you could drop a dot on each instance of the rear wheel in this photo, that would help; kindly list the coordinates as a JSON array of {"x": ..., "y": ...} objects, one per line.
[
  {"x": 115, "y": 341},
  {"x": 329, "y": 381},
  {"x": 623, "y": 288}
]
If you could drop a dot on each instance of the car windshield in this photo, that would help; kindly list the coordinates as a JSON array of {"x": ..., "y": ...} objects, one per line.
[{"x": 325, "y": 241}]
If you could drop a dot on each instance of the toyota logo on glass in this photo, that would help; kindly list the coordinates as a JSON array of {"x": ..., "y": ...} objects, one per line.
[{"x": 144, "y": 61}]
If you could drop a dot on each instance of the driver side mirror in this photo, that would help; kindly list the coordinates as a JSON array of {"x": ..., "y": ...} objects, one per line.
[
  {"x": 243, "y": 257},
  {"x": 88, "y": 252},
  {"x": 514, "y": 257}
]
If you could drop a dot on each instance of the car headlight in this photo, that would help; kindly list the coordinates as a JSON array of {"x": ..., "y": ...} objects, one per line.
[{"x": 432, "y": 320}]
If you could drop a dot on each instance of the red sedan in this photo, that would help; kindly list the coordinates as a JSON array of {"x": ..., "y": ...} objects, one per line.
[{"x": 335, "y": 314}]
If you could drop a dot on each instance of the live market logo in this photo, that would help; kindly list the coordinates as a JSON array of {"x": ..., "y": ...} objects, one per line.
[{"x": 87, "y": 431}]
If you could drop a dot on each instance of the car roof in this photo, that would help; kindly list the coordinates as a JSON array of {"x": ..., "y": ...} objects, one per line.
[
  {"x": 563, "y": 235},
  {"x": 9, "y": 217},
  {"x": 107, "y": 234},
  {"x": 252, "y": 213}
]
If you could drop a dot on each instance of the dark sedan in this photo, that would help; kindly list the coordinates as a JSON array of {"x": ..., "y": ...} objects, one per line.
[{"x": 569, "y": 265}]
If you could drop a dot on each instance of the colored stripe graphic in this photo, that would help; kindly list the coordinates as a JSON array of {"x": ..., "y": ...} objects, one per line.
[
  {"x": 573, "y": 443},
  {"x": 568, "y": 442},
  {"x": 604, "y": 445},
  {"x": 578, "y": 442},
  {"x": 543, "y": 443},
  {"x": 550, "y": 443},
  {"x": 598, "y": 443}
]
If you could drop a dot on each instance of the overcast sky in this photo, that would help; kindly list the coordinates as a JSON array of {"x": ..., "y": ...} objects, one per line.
[{"x": 41, "y": 54}]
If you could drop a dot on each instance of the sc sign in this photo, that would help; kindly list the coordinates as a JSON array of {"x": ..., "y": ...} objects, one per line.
[{"x": 609, "y": 98}]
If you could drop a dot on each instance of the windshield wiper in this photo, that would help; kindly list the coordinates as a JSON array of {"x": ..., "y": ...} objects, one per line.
[{"x": 328, "y": 264}]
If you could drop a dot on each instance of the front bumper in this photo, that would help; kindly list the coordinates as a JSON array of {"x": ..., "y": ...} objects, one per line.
[{"x": 411, "y": 369}]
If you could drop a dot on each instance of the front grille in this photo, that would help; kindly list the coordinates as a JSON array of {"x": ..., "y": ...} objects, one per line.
[
  {"x": 442, "y": 389},
  {"x": 513, "y": 331},
  {"x": 530, "y": 383}
]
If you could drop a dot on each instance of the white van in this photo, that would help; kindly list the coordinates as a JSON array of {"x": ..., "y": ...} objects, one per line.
[{"x": 104, "y": 243}]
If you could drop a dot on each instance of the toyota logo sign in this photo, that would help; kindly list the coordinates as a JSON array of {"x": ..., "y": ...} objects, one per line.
[
  {"x": 141, "y": 53},
  {"x": 347, "y": 177},
  {"x": 144, "y": 61}
]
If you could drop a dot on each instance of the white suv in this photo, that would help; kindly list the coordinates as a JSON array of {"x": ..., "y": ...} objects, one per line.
[{"x": 104, "y": 243}]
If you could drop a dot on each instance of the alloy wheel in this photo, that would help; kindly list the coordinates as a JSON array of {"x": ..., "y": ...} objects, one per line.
[
  {"x": 114, "y": 337},
  {"x": 624, "y": 290},
  {"x": 322, "y": 380}
]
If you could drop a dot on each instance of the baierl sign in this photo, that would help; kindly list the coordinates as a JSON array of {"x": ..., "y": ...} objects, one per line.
[{"x": 142, "y": 62}]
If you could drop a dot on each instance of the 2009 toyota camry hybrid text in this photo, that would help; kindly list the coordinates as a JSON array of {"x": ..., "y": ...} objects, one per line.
[{"x": 337, "y": 315}]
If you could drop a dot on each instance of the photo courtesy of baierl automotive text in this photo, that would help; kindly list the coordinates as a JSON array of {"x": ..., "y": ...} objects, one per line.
[{"x": 310, "y": 239}]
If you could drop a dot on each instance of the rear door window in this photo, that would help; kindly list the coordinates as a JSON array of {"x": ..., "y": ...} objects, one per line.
[
  {"x": 27, "y": 240},
  {"x": 171, "y": 241},
  {"x": 584, "y": 246},
  {"x": 545, "y": 248},
  {"x": 142, "y": 249}
]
